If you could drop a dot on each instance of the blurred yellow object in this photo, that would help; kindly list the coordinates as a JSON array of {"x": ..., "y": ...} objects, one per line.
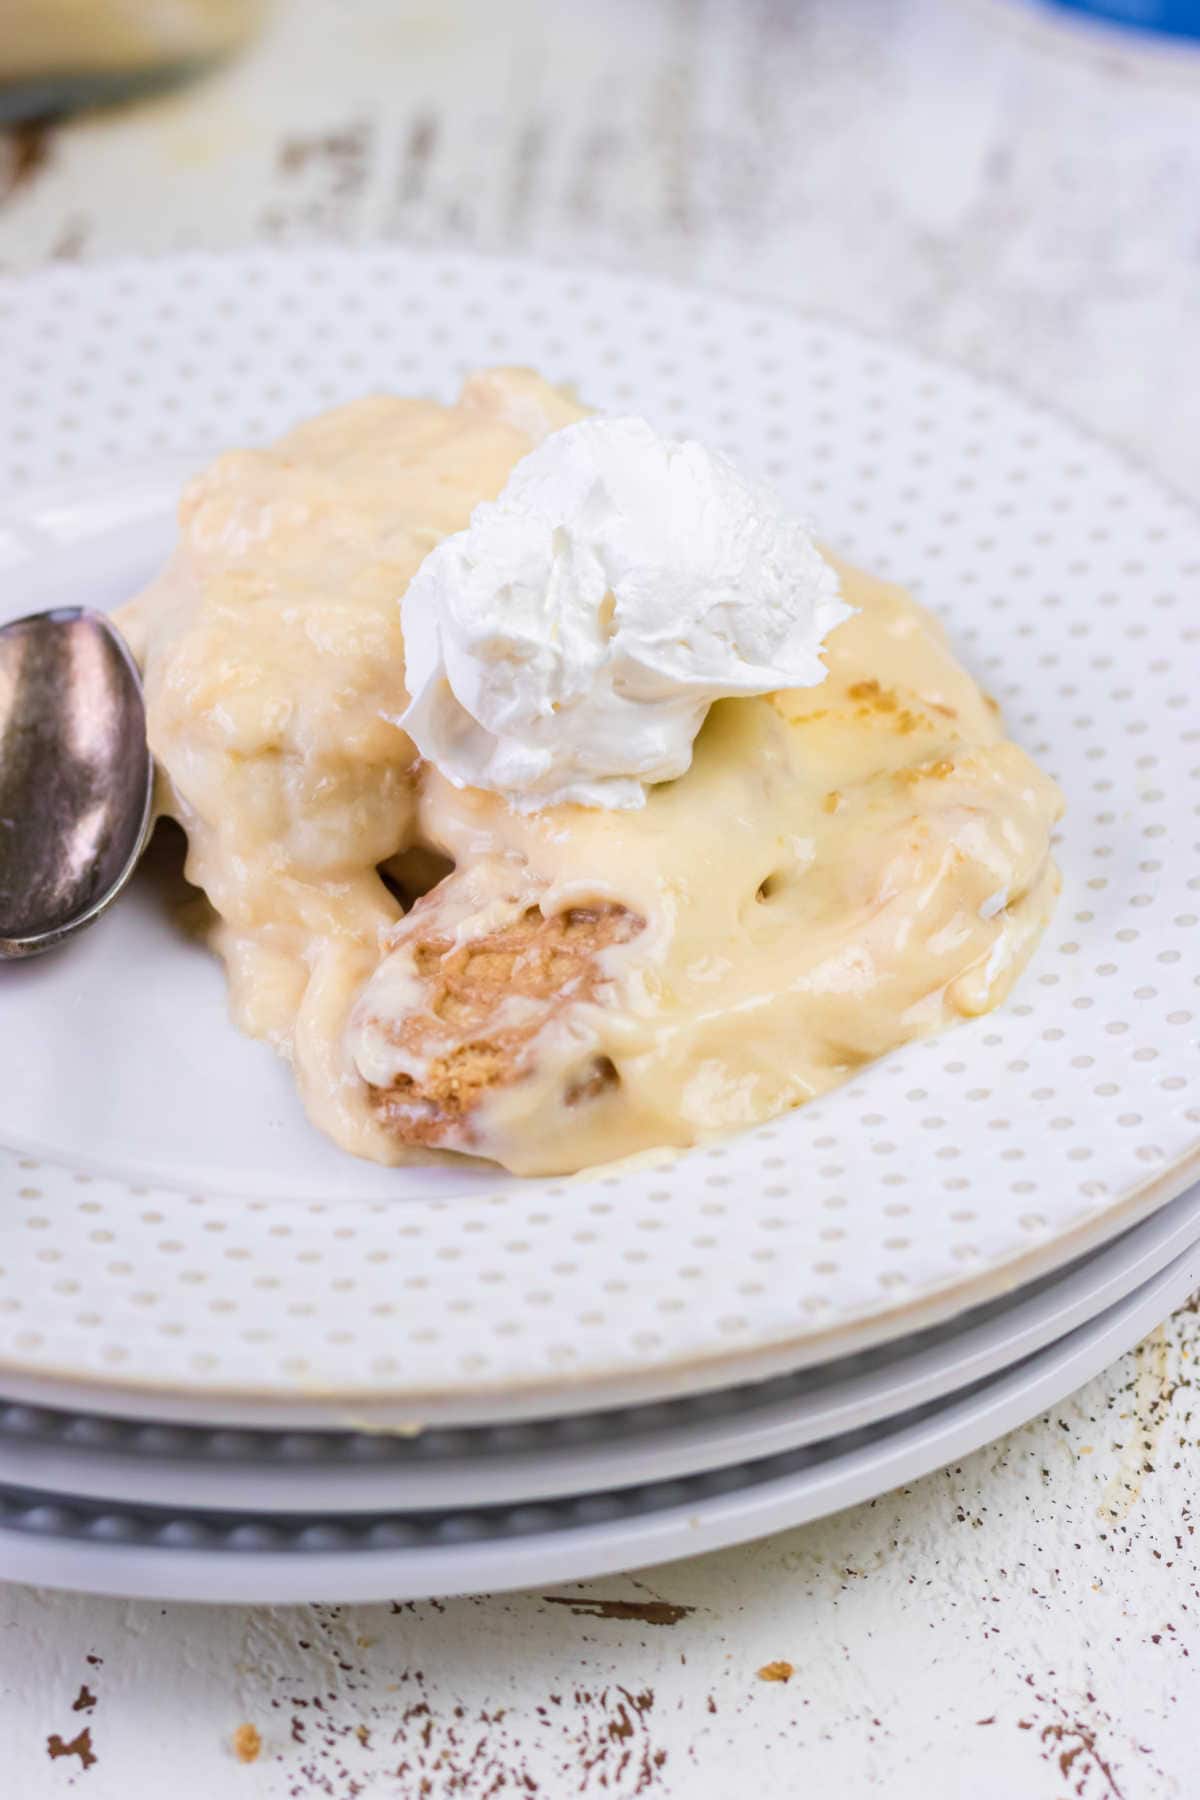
[{"x": 60, "y": 53}]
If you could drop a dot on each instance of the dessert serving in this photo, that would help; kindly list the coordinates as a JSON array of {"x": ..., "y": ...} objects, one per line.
[{"x": 555, "y": 796}]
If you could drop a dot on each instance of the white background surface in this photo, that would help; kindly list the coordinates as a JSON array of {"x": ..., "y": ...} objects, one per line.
[{"x": 1026, "y": 1624}]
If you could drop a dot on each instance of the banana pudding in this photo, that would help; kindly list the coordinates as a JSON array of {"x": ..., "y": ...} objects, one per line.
[{"x": 556, "y": 797}]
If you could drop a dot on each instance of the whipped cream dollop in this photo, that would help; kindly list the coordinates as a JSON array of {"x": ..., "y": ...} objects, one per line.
[{"x": 567, "y": 645}]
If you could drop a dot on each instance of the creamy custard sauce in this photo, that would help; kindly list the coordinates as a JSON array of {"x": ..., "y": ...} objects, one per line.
[{"x": 842, "y": 868}]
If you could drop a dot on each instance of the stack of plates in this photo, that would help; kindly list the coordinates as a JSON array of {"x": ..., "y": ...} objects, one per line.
[
  {"x": 236, "y": 1364},
  {"x": 115, "y": 1504}
]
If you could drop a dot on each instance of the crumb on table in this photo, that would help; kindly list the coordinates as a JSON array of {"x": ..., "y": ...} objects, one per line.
[{"x": 247, "y": 1743}]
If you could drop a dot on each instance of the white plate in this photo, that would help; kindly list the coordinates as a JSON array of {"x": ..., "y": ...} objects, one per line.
[
  {"x": 172, "y": 1227},
  {"x": 136, "y": 1463},
  {"x": 161, "y": 1555}
]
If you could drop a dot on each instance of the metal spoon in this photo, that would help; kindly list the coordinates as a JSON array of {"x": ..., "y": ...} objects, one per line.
[{"x": 76, "y": 775}]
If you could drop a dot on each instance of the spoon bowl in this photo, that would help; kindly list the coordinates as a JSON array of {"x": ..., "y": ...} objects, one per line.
[{"x": 76, "y": 775}]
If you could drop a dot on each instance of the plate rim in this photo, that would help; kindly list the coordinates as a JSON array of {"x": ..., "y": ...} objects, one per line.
[
  {"x": 572, "y": 1393},
  {"x": 990, "y": 381}
]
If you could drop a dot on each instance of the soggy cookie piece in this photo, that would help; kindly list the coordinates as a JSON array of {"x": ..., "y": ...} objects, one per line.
[{"x": 465, "y": 1010}]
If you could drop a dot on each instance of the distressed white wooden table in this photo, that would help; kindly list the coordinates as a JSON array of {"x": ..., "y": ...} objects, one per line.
[{"x": 1027, "y": 1623}]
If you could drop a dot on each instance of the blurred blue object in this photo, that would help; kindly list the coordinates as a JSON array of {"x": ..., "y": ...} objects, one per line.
[{"x": 1171, "y": 18}]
